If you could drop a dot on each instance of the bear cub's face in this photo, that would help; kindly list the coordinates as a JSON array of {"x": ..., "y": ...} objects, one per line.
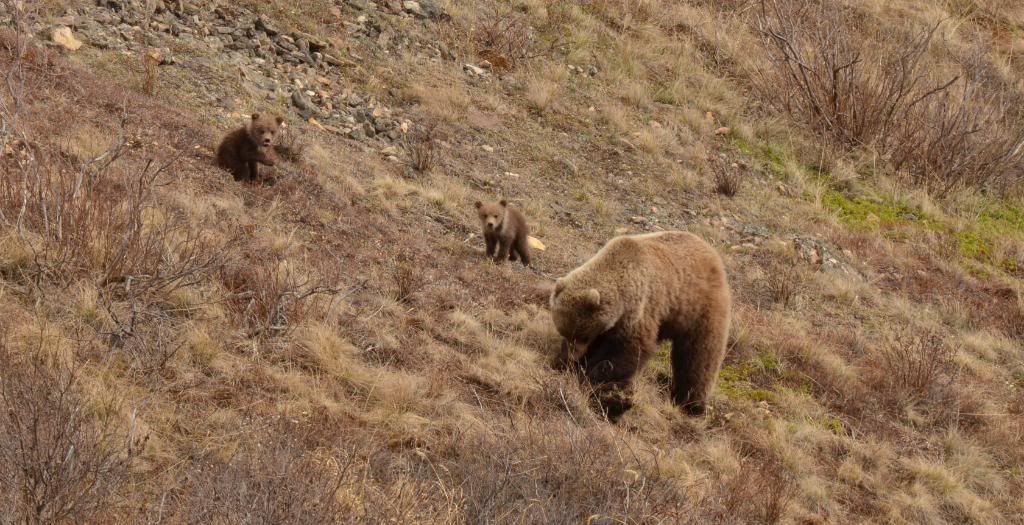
[
  {"x": 263, "y": 129},
  {"x": 491, "y": 214},
  {"x": 579, "y": 315}
]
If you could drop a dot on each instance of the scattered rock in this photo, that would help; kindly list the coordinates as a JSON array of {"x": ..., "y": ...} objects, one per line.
[
  {"x": 474, "y": 71},
  {"x": 64, "y": 37},
  {"x": 305, "y": 108},
  {"x": 423, "y": 9},
  {"x": 487, "y": 148},
  {"x": 723, "y": 131},
  {"x": 357, "y": 133},
  {"x": 264, "y": 24}
]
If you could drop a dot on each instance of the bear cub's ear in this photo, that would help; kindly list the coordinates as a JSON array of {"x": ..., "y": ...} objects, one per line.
[
  {"x": 255, "y": 116},
  {"x": 503, "y": 203},
  {"x": 479, "y": 204},
  {"x": 280, "y": 121}
]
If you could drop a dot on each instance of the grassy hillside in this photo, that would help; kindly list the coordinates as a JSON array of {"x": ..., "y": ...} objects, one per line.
[{"x": 331, "y": 345}]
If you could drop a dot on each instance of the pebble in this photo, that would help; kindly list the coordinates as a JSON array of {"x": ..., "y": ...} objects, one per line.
[{"x": 487, "y": 148}]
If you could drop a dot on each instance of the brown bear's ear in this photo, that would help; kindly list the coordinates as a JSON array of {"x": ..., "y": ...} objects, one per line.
[
  {"x": 255, "y": 116},
  {"x": 479, "y": 204},
  {"x": 593, "y": 297},
  {"x": 503, "y": 203},
  {"x": 279, "y": 121}
]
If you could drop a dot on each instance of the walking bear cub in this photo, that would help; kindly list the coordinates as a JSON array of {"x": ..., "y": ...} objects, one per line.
[
  {"x": 505, "y": 229},
  {"x": 637, "y": 290},
  {"x": 244, "y": 149}
]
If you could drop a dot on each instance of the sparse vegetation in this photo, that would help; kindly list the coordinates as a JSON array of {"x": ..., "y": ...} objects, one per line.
[
  {"x": 728, "y": 180},
  {"x": 335, "y": 347}
]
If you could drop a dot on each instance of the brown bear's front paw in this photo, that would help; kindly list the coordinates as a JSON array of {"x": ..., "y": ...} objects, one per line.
[{"x": 613, "y": 402}]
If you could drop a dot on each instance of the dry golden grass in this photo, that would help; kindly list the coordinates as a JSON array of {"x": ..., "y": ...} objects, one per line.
[{"x": 337, "y": 348}]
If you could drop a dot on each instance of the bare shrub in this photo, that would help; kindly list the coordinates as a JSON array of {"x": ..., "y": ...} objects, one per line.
[
  {"x": 290, "y": 146},
  {"x": 728, "y": 180},
  {"x": 146, "y": 334},
  {"x": 880, "y": 91},
  {"x": 759, "y": 493},
  {"x": 275, "y": 482},
  {"x": 270, "y": 296},
  {"x": 421, "y": 146},
  {"x": 785, "y": 281},
  {"x": 916, "y": 366},
  {"x": 61, "y": 461},
  {"x": 506, "y": 39},
  {"x": 407, "y": 280}
]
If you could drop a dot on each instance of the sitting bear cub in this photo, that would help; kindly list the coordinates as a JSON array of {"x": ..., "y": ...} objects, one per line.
[
  {"x": 637, "y": 290},
  {"x": 244, "y": 149}
]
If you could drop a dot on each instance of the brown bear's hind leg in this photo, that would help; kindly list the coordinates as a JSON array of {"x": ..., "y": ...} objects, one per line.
[
  {"x": 695, "y": 364},
  {"x": 522, "y": 247}
]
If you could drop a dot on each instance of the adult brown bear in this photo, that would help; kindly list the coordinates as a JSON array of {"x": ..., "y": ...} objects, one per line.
[{"x": 636, "y": 291}]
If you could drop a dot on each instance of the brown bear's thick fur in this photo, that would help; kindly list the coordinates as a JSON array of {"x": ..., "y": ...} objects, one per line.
[
  {"x": 244, "y": 149},
  {"x": 506, "y": 229},
  {"x": 635, "y": 291}
]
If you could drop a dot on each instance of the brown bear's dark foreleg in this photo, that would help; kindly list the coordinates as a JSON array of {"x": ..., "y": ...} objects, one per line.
[
  {"x": 503, "y": 248},
  {"x": 610, "y": 364},
  {"x": 491, "y": 242},
  {"x": 253, "y": 170},
  {"x": 695, "y": 365}
]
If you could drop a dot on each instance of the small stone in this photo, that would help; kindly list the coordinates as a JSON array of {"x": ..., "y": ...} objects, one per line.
[
  {"x": 354, "y": 100},
  {"x": 369, "y": 130},
  {"x": 487, "y": 148},
  {"x": 472, "y": 70},
  {"x": 485, "y": 64},
  {"x": 414, "y": 8},
  {"x": 305, "y": 108},
  {"x": 390, "y": 150},
  {"x": 63, "y": 36},
  {"x": 264, "y": 24},
  {"x": 723, "y": 131},
  {"x": 621, "y": 231},
  {"x": 357, "y": 133}
]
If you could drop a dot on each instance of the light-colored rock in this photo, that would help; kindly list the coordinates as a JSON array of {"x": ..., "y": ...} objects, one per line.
[
  {"x": 63, "y": 36},
  {"x": 473, "y": 70}
]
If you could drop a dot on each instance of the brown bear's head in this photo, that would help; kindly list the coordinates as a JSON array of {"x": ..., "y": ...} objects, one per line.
[
  {"x": 580, "y": 315},
  {"x": 492, "y": 214},
  {"x": 263, "y": 129}
]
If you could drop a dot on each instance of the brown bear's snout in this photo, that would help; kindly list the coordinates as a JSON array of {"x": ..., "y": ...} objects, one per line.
[{"x": 267, "y": 140}]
